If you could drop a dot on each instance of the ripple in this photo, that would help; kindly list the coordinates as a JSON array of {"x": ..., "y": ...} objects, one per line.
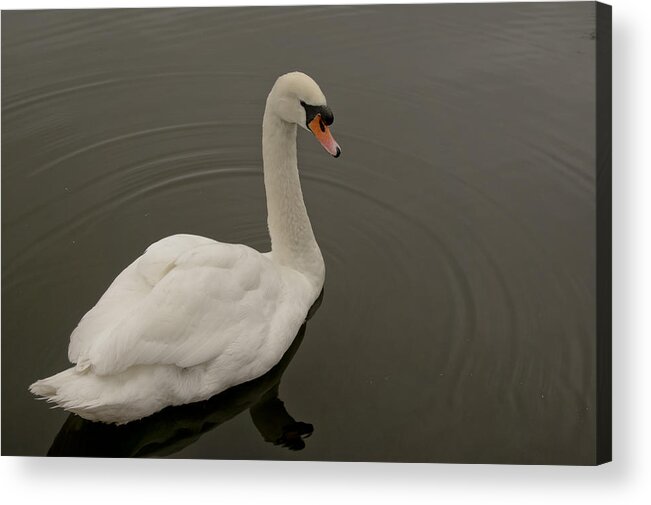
[
  {"x": 34, "y": 97},
  {"x": 519, "y": 319},
  {"x": 122, "y": 197},
  {"x": 467, "y": 318}
]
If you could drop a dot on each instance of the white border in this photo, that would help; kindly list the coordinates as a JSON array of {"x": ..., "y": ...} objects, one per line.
[{"x": 626, "y": 480}]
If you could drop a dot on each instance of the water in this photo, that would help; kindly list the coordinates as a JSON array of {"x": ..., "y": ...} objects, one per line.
[{"x": 458, "y": 226}]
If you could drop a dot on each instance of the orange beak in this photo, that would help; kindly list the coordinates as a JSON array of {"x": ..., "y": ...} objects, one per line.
[{"x": 323, "y": 135}]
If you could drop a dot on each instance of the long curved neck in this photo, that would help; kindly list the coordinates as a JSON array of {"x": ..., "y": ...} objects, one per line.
[{"x": 292, "y": 239}]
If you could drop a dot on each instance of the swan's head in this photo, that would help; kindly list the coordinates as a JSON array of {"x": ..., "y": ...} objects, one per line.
[{"x": 296, "y": 98}]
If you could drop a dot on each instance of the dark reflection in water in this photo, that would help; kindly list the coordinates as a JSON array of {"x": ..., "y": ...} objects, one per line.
[{"x": 458, "y": 228}]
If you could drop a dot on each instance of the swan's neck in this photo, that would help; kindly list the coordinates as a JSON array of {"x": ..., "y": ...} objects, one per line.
[{"x": 292, "y": 239}]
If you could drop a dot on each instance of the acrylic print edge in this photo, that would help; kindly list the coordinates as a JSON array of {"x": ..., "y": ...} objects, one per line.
[{"x": 604, "y": 232}]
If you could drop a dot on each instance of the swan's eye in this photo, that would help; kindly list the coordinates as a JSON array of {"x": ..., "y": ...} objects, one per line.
[
  {"x": 326, "y": 115},
  {"x": 323, "y": 113}
]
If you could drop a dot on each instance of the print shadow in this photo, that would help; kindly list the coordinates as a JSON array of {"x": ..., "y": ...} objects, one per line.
[{"x": 175, "y": 428}]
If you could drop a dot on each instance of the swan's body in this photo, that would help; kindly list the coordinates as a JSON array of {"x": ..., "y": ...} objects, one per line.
[{"x": 192, "y": 317}]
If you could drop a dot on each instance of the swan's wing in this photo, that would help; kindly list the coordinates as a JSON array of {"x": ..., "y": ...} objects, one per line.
[
  {"x": 128, "y": 290},
  {"x": 216, "y": 299}
]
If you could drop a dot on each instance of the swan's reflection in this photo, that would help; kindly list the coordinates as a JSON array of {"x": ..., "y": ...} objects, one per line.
[{"x": 174, "y": 428}]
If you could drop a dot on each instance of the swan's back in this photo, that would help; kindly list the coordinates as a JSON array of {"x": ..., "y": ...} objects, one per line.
[
  {"x": 194, "y": 313},
  {"x": 128, "y": 290}
]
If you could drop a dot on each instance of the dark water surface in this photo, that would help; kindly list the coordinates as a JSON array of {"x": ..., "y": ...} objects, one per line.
[{"x": 458, "y": 227}]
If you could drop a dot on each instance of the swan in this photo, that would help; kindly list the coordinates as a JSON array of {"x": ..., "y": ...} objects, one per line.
[{"x": 193, "y": 317}]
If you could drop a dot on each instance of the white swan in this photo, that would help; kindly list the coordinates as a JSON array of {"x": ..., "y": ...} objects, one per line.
[{"x": 192, "y": 317}]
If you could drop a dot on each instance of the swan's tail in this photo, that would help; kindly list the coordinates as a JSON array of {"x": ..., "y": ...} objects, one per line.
[
  {"x": 75, "y": 391},
  {"x": 111, "y": 399}
]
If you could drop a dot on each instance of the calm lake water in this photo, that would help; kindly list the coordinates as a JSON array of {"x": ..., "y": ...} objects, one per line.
[{"x": 458, "y": 226}]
